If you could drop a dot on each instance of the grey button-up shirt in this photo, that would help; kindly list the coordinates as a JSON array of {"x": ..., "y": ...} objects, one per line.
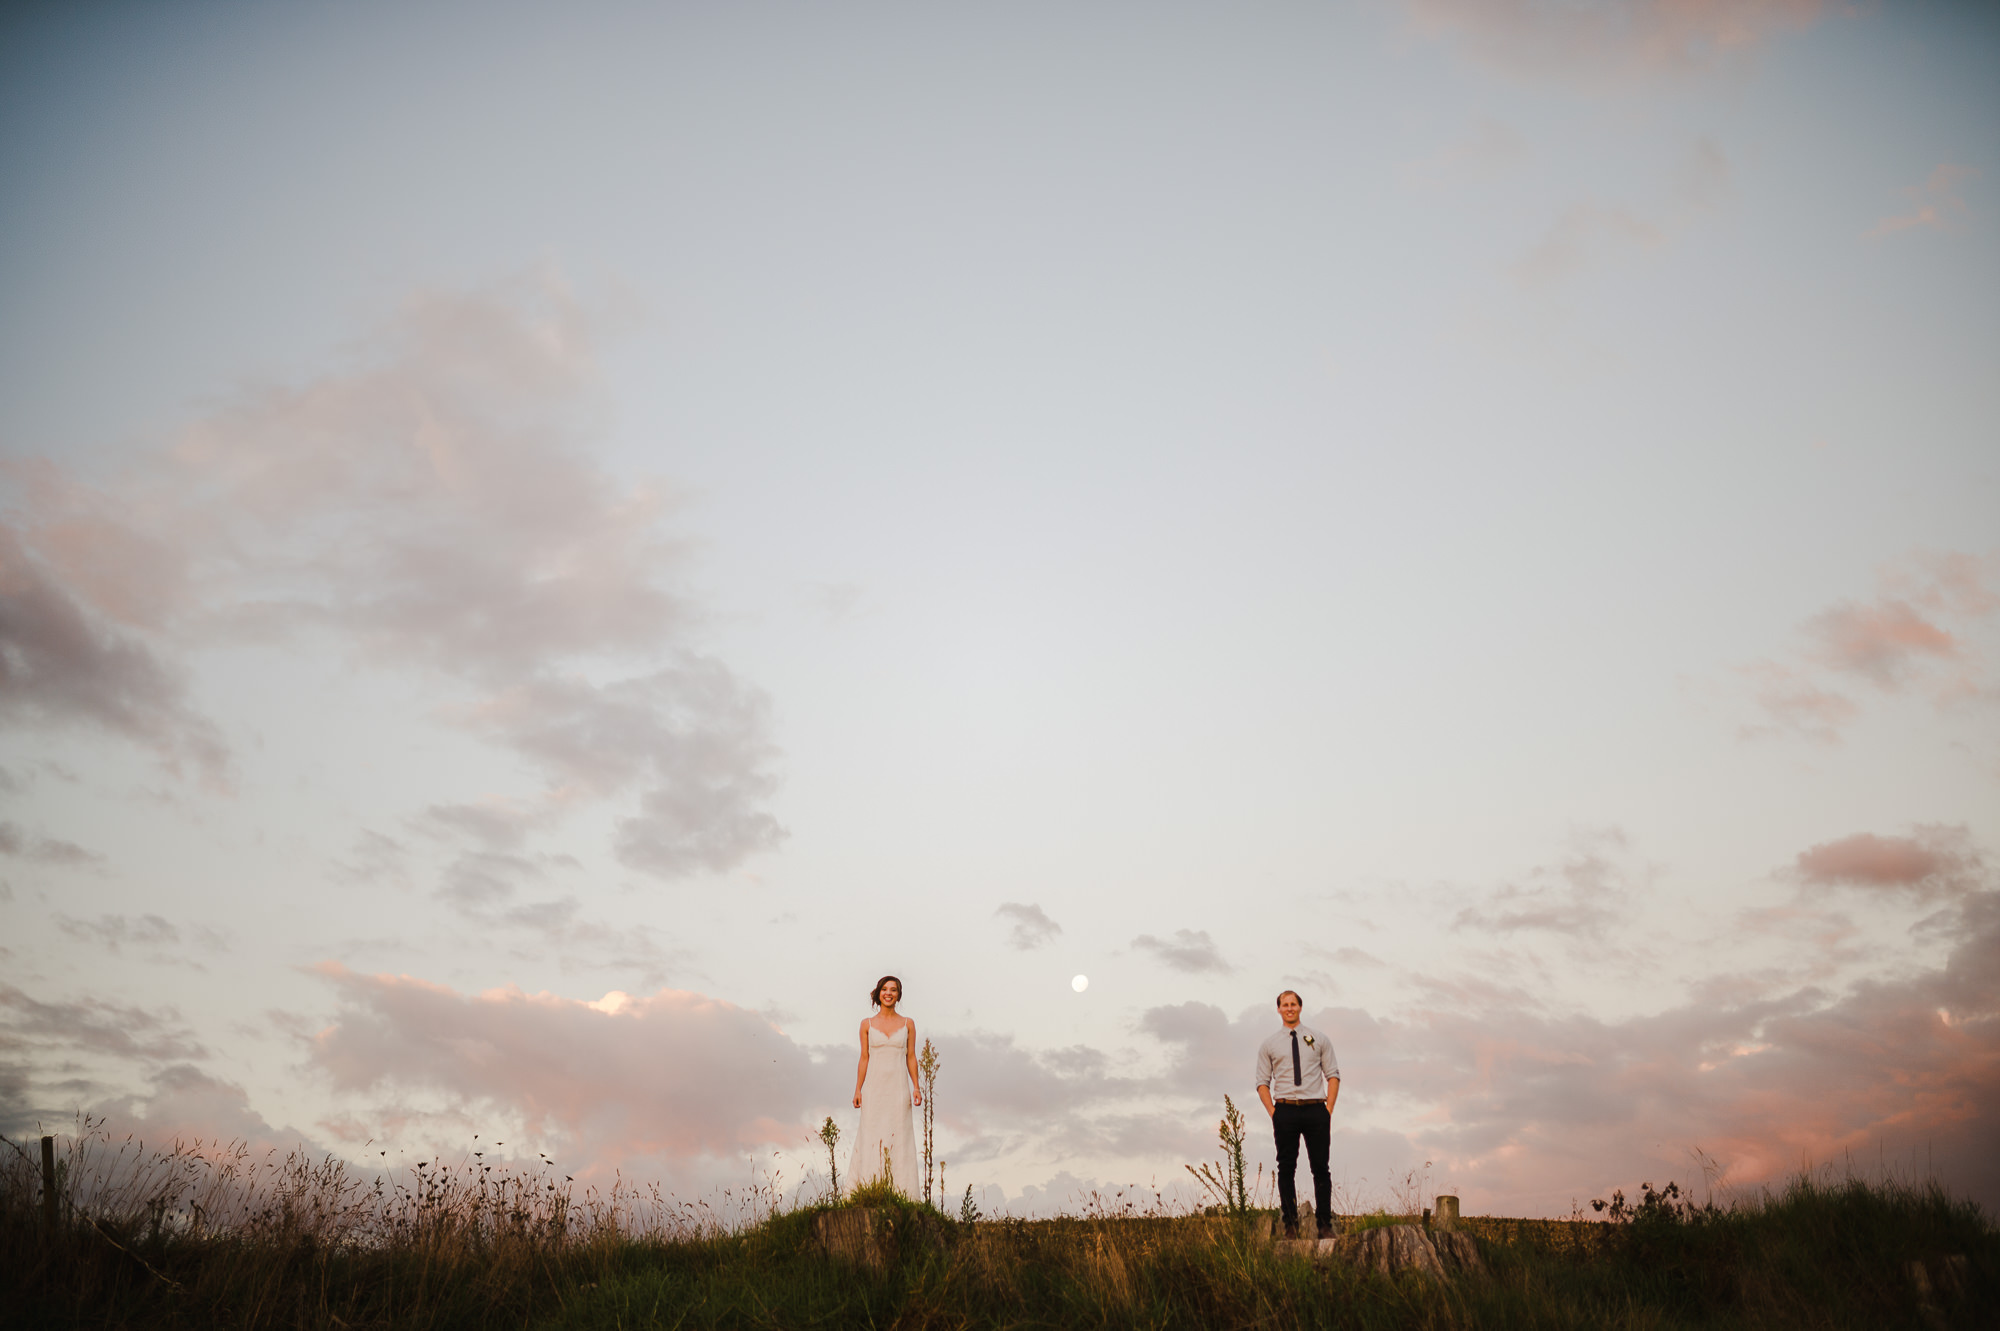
[{"x": 1316, "y": 1064}]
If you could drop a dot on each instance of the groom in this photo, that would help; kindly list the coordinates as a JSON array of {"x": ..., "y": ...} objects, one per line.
[{"x": 1298, "y": 1067}]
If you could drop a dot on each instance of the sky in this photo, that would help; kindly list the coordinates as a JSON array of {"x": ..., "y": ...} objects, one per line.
[{"x": 543, "y": 549}]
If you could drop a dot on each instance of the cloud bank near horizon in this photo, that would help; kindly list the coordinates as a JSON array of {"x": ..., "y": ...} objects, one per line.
[{"x": 1515, "y": 1101}]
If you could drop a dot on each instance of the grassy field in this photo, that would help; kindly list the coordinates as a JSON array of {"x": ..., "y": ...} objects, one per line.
[{"x": 215, "y": 1238}]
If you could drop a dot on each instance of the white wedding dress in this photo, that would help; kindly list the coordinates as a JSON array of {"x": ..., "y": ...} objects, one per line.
[{"x": 885, "y": 1117}]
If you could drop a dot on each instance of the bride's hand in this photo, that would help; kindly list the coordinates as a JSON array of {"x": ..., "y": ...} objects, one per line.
[
  {"x": 857, "y": 1099},
  {"x": 917, "y": 1099}
]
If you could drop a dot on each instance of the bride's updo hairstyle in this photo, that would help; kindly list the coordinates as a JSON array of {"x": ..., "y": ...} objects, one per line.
[{"x": 875, "y": 994}]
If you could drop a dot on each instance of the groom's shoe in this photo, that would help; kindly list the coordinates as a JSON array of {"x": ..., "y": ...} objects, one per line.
[{"x": 1326, "y": 1231}]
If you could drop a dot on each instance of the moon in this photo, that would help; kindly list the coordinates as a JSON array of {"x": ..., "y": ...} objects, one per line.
[{"x": 1080, "y": 983}]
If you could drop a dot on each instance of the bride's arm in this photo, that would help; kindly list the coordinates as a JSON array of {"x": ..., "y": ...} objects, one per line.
[
  {"x": 910, "y": 1057},
  {"x": 861, "y": 1069}
]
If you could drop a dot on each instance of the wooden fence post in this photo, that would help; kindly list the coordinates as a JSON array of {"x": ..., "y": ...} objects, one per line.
[
  {"x": 49, "y": 1184},
  {"x": 1447, "y": 1214}
]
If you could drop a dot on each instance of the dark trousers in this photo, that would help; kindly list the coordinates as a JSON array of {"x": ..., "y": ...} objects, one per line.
[{"x": 1291, "y": 1121}]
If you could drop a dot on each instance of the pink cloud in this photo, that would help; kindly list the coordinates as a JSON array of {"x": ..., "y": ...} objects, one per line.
[
  {"x": 1525, "y": 1109},
  {"x": 1528, "y": 1111},
  {"x": 1536, "y": 1105},
  {"x": 1936, "y": 861},
  {"x": 674, "y": 1085},
  {"x": 674, "y": 1077},
  {"x": 1588, "y": 233},
  {"x": 1880, "y": 641},
  {"x": 1918, "y": 631},
  {"x": 1610, "y": 41},
  {"x": 1491, "y": 149},
  {"x": 1935, "y": 205},
  {"x": 1793, "y": 704},
  {"x": 1951, "y": 582},
  {"x": 1578, "y": 237}
]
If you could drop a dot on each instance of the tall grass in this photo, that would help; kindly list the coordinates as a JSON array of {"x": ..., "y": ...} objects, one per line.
[
  {"x": 201, "y": 1236},
  {"x": 1815, "y": 1255},
  {"x": 211, "y": 1234}
]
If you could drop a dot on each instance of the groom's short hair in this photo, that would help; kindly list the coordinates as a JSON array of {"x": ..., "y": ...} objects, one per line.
[{"x": 1294, "y": 993}]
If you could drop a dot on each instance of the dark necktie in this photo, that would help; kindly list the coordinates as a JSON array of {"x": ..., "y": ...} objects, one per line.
[{"x": 1298, "y": 1078}]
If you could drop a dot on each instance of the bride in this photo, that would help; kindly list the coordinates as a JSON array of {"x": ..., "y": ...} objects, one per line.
[{"x": 885, "y": 1090}]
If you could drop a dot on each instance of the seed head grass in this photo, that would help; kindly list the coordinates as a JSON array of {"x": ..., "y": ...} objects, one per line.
[{"x": 214, "y": 1235}]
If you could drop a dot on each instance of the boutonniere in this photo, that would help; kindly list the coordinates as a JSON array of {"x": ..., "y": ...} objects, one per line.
[{"x": 1311, "y": 1043}]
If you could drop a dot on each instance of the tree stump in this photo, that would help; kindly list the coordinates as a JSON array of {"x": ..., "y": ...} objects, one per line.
[
  {"x": 1445, "y": 1218},
  {"x": 856, "y": 1234},
  {"x": 1391, "y": 1249}
]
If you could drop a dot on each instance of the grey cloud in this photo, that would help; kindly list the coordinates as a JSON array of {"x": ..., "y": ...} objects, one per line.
[
  {"x": 1153, "y": 1137},
  {"x": 58, "y": 667},
  {"x": 51, "y": 850},
  {"x": 39, "y": 1037},
  {"x": 1213, "y": 1055},
  {"x": 1064, "y": 1192},
  {"x": 1583, "y": 897},
  {"x": 485, "y": 878},
  {"x": 1032, "y": 928},
  {"x": 435, "y": 507},
  {"x": 96, "y": 1026},
  {"x": 1190, "y": 950},
  {"x": 707, "y": 822},
  {"x": 1077, "y": 1060},
  {"x": 43, "y": 850},
  {"x": 692, "y": 736},
  {"x": 182, "y": 1102},
  {"x": 373, "y": 857},
  {"x": 836, "y": 602},
  {"x": 548, "y": 917},
  {"x": 1704, "y": 178},
  {"x": 989, "y": 1080},
  {"x": 496, "y": 826},
  {"x": 114, "y": 931}
]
